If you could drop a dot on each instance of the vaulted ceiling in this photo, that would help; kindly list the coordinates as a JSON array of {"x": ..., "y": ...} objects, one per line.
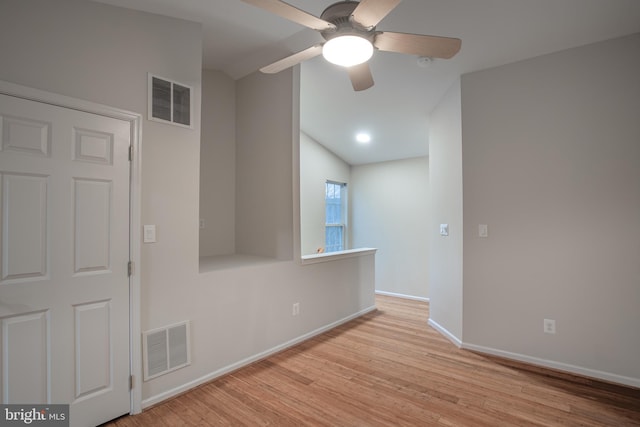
[{"x": 240, "y": 38}]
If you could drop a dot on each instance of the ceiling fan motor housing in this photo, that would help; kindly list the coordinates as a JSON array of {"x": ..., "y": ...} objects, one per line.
[{"x": 339, "y": 14}]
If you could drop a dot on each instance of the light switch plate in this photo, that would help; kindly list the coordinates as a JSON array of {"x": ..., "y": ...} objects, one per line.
[
  {"x": 149, "y": 234},
  {"x": 444, "y": 229},
  {"x": 483, "y": 230}
]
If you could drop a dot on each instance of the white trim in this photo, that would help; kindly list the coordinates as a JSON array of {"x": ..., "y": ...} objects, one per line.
[
  {"x": 12, "y": 89},
  {"x": 154, "y": 400},
  {"x": 448, "y": 335},
  {"x": 559, "y": 366},
  {"x": 551, "y": 364},
  {"x": 332, "y": 256},
  {"x": 295, "y": 162},
  {"x": 135, "y": 253},
  {"x": 404, "y": 296}
]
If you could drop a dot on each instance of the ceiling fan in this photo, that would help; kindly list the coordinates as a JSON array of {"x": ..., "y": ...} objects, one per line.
[{"x": 349, "y": 28}]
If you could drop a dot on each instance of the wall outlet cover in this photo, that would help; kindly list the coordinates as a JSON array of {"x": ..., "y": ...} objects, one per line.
[
  {"x": 149, "y": 234},
  {"x": 549, "y": 326}
]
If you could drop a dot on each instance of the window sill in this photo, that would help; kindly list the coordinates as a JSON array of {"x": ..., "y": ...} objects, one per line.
[{"x": 333, "y": 256}]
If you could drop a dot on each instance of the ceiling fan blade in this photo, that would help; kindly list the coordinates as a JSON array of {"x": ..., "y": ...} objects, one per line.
[
  {"x": 292, "y": 13},
  {"x": 369, "y": 12},
  {"x": 292, "y": 60},
  {"x": 416, "y": 44},
  {"x": 360, "y": 76}
]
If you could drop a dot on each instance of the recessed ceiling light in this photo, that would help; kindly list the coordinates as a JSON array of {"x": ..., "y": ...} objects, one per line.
[{"x": 363, "y": 137}]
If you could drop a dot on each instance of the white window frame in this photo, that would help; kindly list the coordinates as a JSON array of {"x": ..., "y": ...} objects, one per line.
[{"x": 343, "y": 214}]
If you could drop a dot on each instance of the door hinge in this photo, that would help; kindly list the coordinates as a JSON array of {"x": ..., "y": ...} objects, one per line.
[
  {"x": 130, "y": 268},
  {"x": 131, "y": 153},
  {"x": 131, "y": 382}
]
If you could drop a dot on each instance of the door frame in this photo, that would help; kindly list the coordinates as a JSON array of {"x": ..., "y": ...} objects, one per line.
[{"x": 135, "y": 175}]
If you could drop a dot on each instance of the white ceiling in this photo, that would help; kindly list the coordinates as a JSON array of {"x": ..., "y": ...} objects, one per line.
[{"x": 239, "y": 38}]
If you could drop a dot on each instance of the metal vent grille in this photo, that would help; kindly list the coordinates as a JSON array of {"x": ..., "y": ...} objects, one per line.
[
  {"x": 166, "y": 349},
  {"x": 170, "y": 102}
]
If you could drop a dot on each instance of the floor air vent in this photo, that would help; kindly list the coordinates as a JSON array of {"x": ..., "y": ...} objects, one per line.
[{"x": 166, "y": 349}]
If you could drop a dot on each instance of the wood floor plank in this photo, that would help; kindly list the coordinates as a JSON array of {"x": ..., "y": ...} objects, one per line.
[{"x": 389, "y": 368}]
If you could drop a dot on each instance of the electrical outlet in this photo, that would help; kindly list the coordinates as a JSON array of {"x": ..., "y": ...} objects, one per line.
[
  {"x": 549, "y": 326},
  {"x": 295, "y": 310}
]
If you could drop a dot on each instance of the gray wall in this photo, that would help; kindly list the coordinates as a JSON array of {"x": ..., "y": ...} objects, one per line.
[
  {"x": 264, "y": 204},
  {"x": 102, "y": 54},
  {"x": 317, "y": 165},
  {"x": 445, "y": 178},
  {"x": 390, "y": 211},
  {"x": 218, "y": 164},
  {"x": 551, "y": 157}
]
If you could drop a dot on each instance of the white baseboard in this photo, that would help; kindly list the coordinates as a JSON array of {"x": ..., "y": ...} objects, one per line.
[
  {"x": 605, "y": 376},
  {"x": 448, "y": 335},
  {"x": 559, "y": 366},
  {"x": 393, "y": 294},
  {"x": 153, "y": 400}
]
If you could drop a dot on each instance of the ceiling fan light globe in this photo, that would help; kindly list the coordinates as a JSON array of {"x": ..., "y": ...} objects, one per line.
[{"x": 348, "y": 50}]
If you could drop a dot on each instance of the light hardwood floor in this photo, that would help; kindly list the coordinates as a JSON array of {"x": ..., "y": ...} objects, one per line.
[{"x": 388, "y": 368}]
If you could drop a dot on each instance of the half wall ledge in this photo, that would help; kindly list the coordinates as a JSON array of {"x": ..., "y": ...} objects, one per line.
[{"x": 334, "y": 256}]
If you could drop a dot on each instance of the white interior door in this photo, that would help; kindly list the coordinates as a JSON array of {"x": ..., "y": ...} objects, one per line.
[{"x": 64, "y": 251}]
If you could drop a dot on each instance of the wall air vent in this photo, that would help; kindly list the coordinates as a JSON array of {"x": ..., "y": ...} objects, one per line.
[
  {"x": 166, "y": 349},
  {"x": 170, "y": 102}
]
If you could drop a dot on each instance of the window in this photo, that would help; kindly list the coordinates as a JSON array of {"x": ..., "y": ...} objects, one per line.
[
  {"x": 169, "y": 101},
  {"x": 335, "y": 214}
]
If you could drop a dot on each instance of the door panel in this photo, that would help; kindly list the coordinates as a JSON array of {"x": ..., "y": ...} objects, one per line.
[
  {"x": 25, "y": 368},
  {"x": 92, "y": 200},
  {"x": 92, "y": 345},
  {"x": 26, "y": 136},
  {"x": 24, "y": 226},
  {"x": 64, "y": 288}
]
